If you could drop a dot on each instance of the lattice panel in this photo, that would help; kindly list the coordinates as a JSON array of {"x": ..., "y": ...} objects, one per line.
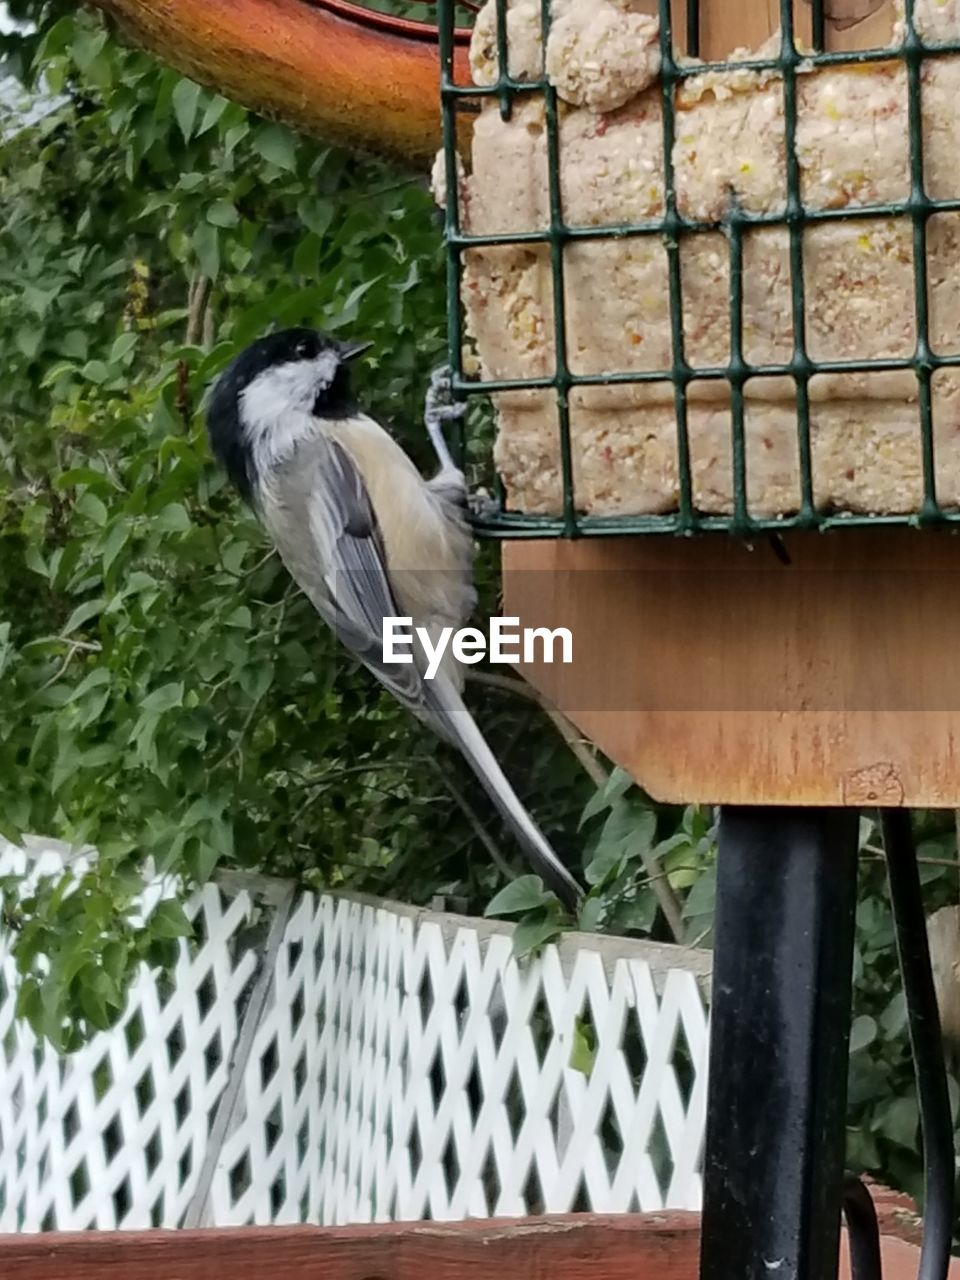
[
  {"x": 422, "y": 1078},
  {"x": 397, "y": 1068},
  {"x": 114, "y": 1135}
]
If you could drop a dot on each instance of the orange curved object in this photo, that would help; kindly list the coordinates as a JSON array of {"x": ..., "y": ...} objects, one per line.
[{"x": 352, "y": 76}]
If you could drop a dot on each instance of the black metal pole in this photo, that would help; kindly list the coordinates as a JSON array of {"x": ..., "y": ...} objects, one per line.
[
  {"x": 863, "y": 1230},
  {"x": 923, "y": 1016},
  {"x": 779, "y": 1033}
]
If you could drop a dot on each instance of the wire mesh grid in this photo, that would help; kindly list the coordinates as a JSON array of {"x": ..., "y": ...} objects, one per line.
[{"x": 673, "y": 228}]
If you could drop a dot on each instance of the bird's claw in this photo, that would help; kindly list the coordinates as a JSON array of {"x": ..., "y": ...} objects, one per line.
[
  {"x": 481, "y": 505},
  {"x": 439, "y": 407}
]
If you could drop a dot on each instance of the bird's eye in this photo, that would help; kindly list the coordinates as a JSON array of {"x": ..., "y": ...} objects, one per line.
[{"x": 301, "y": 348}]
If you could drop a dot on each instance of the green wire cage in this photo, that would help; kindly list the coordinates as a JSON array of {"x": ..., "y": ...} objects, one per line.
[{"x": 682, "y": 374}]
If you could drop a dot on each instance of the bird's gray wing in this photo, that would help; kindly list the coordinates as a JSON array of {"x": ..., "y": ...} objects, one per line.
[{"x": 359, "y": 593}]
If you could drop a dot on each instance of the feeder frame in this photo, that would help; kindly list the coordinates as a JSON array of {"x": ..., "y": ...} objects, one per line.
[{"x": 671, "y": 227}]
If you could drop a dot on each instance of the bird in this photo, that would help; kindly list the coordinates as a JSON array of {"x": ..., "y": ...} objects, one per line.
[{"x": 363, "y": 534}]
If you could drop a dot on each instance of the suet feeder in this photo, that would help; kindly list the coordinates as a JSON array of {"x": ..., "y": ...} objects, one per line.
[{"x": 787, "y": 364}]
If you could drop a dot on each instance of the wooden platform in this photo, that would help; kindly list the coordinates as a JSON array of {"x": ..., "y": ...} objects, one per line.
[
  {"x": 714, "y": 672},
  {"x": 586, "y": 1247}
]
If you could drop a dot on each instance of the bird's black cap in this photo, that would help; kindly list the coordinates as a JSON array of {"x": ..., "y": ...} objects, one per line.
[{"x": 224, "y": 427}]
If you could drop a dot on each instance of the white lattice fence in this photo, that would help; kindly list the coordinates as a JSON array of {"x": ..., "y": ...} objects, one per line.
[{"x": 330, "y": 1060}]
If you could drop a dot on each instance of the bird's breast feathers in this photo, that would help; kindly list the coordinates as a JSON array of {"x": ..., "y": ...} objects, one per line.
[{"x": 427, "y": 545}]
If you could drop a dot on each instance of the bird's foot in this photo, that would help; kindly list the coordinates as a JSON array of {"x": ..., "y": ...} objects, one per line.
[
  {"x": 439, "y": 408},
  {"x": 482, "y": 505}
]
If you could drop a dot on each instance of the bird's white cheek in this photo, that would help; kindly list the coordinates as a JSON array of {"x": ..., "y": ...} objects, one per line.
[
  {"x": 276, "y": 408},
  {"x": 275, "y": 392}
]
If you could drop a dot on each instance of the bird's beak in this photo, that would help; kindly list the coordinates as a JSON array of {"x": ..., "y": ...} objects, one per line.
[{"x": 350, "y": 350}]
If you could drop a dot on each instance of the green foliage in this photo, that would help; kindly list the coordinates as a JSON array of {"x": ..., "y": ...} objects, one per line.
[
  {"x": 165, "y": 695},
  {"x": 633, "y": 838},
  {"x": 883, "y": 1137}
]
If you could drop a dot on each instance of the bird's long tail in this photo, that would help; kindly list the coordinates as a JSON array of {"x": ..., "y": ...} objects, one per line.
[{"x": 459, "y": 725}]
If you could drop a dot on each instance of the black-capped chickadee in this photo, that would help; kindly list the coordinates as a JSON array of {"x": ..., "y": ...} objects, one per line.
[{"x": 363, "y": 534}]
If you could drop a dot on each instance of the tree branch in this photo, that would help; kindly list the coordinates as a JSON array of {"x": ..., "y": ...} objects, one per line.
[
  {"x": 577, "y": 744},
  {"x": 197, "y": 305},
  {"x": 482, "y": 834},
  {"x": 198, "y": 299}
]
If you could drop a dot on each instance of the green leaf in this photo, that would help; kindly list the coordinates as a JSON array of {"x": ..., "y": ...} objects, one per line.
[
  {"x": 306, "y": 259},
  {"x": 215, "y": 109},
  {"x": 28, "y": 339},
  {"x": 583, "y": 1054},
  {"x": 123, "y": 345},
  {"x": 94, "y": 679},
  {"x": 627, "y": 833},
  {"x": 533, "y": 933},
  {"x": 316, "y": 215},
  {"x": 94, "y": 1005},
  {"x": 38, "y": 300},
  {"x": 702, "y": 897},
  {"x": 223, "y": 213},
  {"x": 35, "y": 562},
  {"x": 169, "y": 920},
  {"x": 95, "y": 371},
  {"x": 526, "y": 893},
  {"x": 115, "y": 541},
  {"x": 75, "y": 344},
  {"x": 203, "y": 860},
  {"x": 255, "y": 680},
  {"x": 893, "y": 1020},
  {"x": 607, "y": 857},
  {"x": 348, "y": 310},
  {"x": 239, "y": 617},
  {"x": 10, "y": 830},
  {"x": 164, "y": 698},
  {"x": 88, "y": 42},
  {"x": 89, "y": 505},
  {"x": 138, "y": 582},
  {"x": 83, "y": 613},
  {"x": 234, "y": 135},
  {"x": 862, "y": 1033},
  {"x": 186, "y": 100},
  {"x": 277, "y": 145},
  {"x": 591, "y": 914},
  {"x": 898, "y": 1121},
  {"x": 142, "y": 739},
  {"x": 616, "y": 786},
  {"x": 206, "y": 245},
  {"x": 174, "y": 518},
  {"x": 87, "y": 476},
  {"x": 162, "y": 953}
]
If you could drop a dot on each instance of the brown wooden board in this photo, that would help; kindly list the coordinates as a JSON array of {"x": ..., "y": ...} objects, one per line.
[
  {"x": 661, "y": 1246},
  {"x": 849, "y": 24},
  {"x": 584, "y": 1247},
  {"x": 713, "y": 672}
]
